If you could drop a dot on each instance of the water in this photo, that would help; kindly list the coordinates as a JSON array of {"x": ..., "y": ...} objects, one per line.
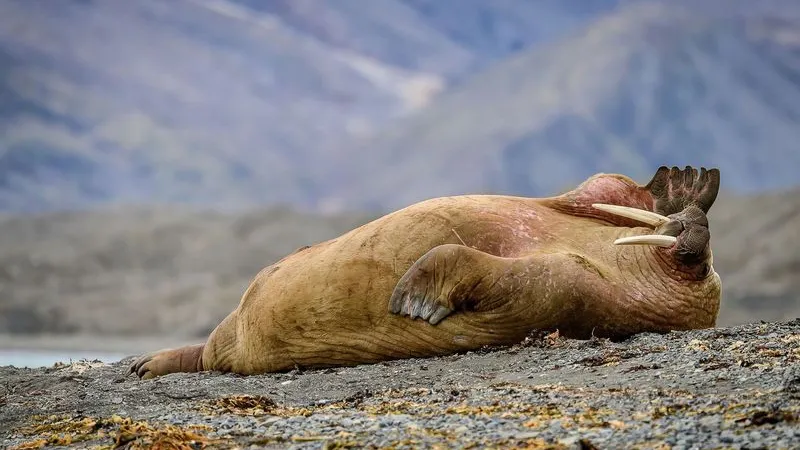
[{"x": 46, "y": 358}]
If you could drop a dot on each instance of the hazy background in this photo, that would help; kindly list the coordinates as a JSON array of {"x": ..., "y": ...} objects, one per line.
[{"x": 156, "y": 154}]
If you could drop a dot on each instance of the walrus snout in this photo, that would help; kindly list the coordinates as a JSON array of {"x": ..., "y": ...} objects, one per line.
[
  {"x": 687, "y": 230},
  {"x": 690, "y": 228},
  {"x": 685, "y": 235}
]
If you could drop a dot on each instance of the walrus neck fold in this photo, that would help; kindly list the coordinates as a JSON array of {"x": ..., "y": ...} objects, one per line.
[
  {"x": 606, "y": 189},
  {"x": 667, "y": 292}
]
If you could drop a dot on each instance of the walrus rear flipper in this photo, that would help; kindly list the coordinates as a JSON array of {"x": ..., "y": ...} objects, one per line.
[
  {"x": 451, "y": 278},
  {"x": 215, "y": 354},
  {"x": 183, "y": 359}
]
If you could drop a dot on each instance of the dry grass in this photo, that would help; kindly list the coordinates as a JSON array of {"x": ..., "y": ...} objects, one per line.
[{"x": 112, "y": 433}]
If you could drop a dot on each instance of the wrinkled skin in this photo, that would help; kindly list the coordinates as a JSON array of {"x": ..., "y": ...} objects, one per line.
[{"x": 458, "y": 273}]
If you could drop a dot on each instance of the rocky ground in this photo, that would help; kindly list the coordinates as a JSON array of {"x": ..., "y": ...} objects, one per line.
[{"x": 722, "y": 388}]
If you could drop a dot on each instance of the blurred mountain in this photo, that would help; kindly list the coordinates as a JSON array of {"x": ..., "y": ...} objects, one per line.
[
  {"x": 227, "y": 101},
  {"x": 376, "y": 104},
  {"x": 134, "y": 271},
  {"x": 756, "y": 242},
  {"x": 650, "y": 83},
  {"x": 179, "y": 271}
]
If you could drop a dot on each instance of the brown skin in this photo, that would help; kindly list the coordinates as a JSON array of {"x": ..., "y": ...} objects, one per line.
[{"x": 498, "y": 266}]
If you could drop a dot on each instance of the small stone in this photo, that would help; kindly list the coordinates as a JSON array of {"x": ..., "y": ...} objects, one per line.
[
  {"x": 755, "y": 436},
  {"x": 116, "y": 400},
  {"x": 570, "y": 442},
  {"x": 528, "y": 435},
  {"x": 710, "y": 421},
  {"x": 726, "y": 436}
]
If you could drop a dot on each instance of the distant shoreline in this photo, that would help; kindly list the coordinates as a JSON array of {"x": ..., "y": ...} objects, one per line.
[{"x": 129, "y": 345}]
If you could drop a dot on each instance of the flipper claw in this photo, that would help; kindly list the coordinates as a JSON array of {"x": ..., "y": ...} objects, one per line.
[
  {"x": 396, "y": 305},
  {"x": 441, "y": 313},
  {"x": 416, "y": 308},
  {"x": 140, "y": 366},
  {"x": 419, "y": 306},
  {"x": 428, "y": 309}
]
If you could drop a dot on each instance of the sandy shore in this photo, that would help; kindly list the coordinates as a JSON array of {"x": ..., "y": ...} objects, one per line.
[{"x": 723, "y": 388}]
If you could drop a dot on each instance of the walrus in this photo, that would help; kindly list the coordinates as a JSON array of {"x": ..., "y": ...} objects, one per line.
[{"x": 610, "y": 258}]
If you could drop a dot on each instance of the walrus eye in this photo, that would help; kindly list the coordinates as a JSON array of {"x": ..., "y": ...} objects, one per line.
[
  {"x": 644, "y": 216},
  {"x": 648, "y": 239}
]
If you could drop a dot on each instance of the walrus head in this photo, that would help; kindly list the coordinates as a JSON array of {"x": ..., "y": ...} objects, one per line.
[
  {"x": 681, "y": 200},
  {"x": 663, "y": 259}
]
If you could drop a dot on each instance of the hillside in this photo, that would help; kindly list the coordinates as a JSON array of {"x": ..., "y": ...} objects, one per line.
[
  {"x": 756, "y": 241},
  {"x": 167, "y": 271},
  {"x": 651, "y": 83},
  {"x": 232, "y": 102},
  {"x": 175, "y": 273}
]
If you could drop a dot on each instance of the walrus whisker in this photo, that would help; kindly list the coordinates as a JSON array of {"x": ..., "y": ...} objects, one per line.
[
  {"x": 459, "y": 237},
  {"x": 644, "y": 216},
  {"x": 649, "y": 239}
]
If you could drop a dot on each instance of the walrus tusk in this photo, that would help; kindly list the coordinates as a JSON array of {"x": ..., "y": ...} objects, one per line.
[
  {"x": 649, "y": 239},
  {"x": 644, "y": 216}
]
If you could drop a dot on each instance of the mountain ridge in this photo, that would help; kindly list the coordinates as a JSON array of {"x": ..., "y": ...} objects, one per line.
[
  {"x": 234, "y": 103},
  {"x": 215, "y": 102},
  {"x": 648, "y": 85}
]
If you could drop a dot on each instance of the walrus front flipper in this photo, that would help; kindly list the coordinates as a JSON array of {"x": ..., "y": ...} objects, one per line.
[{"x": 451, "y": 278}]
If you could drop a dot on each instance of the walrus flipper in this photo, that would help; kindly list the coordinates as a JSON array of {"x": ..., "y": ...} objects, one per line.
[
  {"x": 452, "y": 278},
  {"x": 440, "y": 282},
  {"x": 675, "y": 189},
  {"x": 162, "y": 362}
]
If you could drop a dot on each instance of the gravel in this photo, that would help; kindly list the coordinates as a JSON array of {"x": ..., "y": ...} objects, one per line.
[{"x": 733, "y": 387}]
